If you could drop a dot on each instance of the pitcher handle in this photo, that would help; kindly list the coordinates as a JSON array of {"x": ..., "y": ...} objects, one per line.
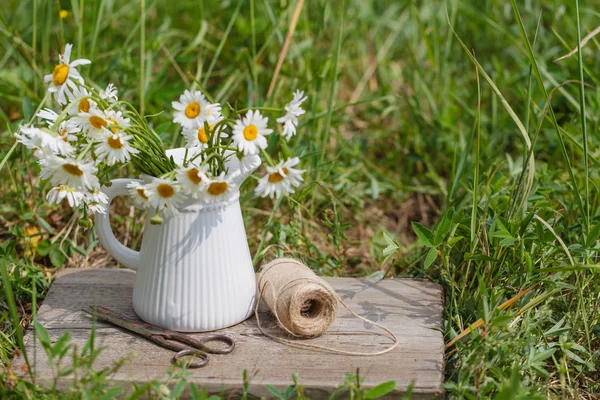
[{"x": 123, "y": 254}]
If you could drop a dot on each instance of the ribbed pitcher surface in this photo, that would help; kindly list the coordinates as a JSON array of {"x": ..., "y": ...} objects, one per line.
[{"x": 195, "y": 271}]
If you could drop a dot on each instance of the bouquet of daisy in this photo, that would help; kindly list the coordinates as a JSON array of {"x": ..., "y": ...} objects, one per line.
[{"x": 93, "y": 133}]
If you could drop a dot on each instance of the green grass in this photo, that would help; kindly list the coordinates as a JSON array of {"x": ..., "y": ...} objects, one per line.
[{"x": 490, "y": 148}]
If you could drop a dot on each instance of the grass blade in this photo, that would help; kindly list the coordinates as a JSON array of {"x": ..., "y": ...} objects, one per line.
[
  {"x": 538, "y": 76},
  {"x": 213, "y": 62},
  {"x": 583, "y": 122},
  {"x": 12, "y": 308}
]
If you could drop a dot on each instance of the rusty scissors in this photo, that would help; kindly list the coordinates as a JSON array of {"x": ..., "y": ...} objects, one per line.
[{"x": 182, "y": 344}]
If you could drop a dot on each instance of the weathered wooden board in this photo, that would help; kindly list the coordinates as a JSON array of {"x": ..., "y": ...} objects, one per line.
[{"x": 410, "y": 308}]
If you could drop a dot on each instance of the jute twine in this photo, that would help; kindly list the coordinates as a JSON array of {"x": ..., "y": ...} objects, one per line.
[{"x": 305, "y": 306}]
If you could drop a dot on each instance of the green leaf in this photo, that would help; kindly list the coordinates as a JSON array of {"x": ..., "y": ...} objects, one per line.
[
  {"x": 563, "y": 268},
  {"x": 61, "y": 346},
  {"x": 392, "y": 246},
  {"x": 542, "y": 355},
  {"x": 431, "y": 256},
  {"x": 79, "y": 250},
  {"x": 275, "y": 392},
  {"x": 57, "y": 258},
  {"x": 44, "y": 224},
  {"x": 507, "y": 241},
  {"x": 43, "y": 338},
  {"x": 43, "y": 248},
  {"x": 454, "y": 240},
  {"x": 111, "y": 393},
  {"x": 178, "y": 389},
  {"x": 481, "y": 257},
  {"x": 424, "y": 234},
  {"x": 592, "y": 236},
  {"x": 444, "y": 227},
  {"x": 380, "y": 390}
]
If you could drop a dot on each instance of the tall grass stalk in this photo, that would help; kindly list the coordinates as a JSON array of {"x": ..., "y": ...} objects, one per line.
[
  {"x": 142, "y": 56},
  {"x": 476, "y": 164},
  {"x": 540, "y": 81},
  {"x": 333, "y": 84},
  {"x": 583, "y": 119}
]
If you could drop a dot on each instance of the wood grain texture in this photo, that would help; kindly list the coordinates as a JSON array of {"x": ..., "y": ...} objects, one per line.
[{"x": 410, "y": 308}]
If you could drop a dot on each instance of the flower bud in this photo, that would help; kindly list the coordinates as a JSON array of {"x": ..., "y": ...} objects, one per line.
[
  {"x": 156, "y": 220},
  {"x": 85, "y": 222}
]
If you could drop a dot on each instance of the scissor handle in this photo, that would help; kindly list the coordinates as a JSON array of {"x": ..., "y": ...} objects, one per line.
[
  {"x": 203, "y": 358},
  {"x": 175, "y": 341},
  {"x": 215, "y": 337}
]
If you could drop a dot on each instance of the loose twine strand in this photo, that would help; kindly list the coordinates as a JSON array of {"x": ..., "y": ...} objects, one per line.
[{"x": 325, "y": 318}]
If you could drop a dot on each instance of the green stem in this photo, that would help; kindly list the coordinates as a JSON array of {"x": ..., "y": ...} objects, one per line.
[
  {"x": 269, "y": 160},
  {"x": 85, "y": 151},
  {"x": 266, "y": 231}
]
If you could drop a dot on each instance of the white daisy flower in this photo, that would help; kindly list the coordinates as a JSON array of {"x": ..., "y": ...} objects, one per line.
[
  {"x": 62, "y": 79},
  {"x": 49, "y": 115},
  {"x": 240, "y": 168},
  {"x": 139, "y": 194},
  {"x": 280, "y": 179},
  {"x": 193, "y": 179},
  {"x": 117, "y": 121},
  {"x": 165, "y": 195},
  {"x": 66, "y": 129},
  {"x": 43, "y": 140},
  {"x": 219, "y": 188},
  {"x": 249, "y": 133},
  {"x": 196, "y": 137},
  {"x": 293, "y": 111},
  {"x": 114, "y": 147},
  {"x": 67, "y": 171},
  {"x": 109, "y": 94},
  {"x": 96, "y": 201},
  {"x": 94, "y": 121},
  {"x": 84, "y": 104},
  {"x": 193, "y": 109},
  {"x": 57, "y": 194}
]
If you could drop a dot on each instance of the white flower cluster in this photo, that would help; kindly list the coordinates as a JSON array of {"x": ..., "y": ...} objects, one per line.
[
  {"x": 85, "y": 136},
  {"x": 205, "y": 130},
  {"x": 78, "y": 145}
]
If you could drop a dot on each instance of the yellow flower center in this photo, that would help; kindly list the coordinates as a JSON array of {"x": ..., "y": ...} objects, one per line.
[
  {"x": 165, "y": 190},
  {"x": 98, "y": 122},
  {"x": 142, "y": 193},
  {"x": 84, "y": 105},
  {"x": 63, "y": 14},
  {"x": 202, "y": 138},
  {"x": 217, "y": 188},
  {"x": 250, "y": 132},
  {"x": 60, "y": 74},
  {"x": 192, "y": 110},
  {"x": 276, "y": 177},
  {"x": 111, "y": 121},
  {"x": 73, "y": 169},
  {"x": 115, "y": 142},
  {"x": 193, "y": 176},
  {"x": 64, "y": 135}
]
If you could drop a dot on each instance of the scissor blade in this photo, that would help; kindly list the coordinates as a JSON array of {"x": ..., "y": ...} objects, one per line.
[{"x": 107, "y": 315}]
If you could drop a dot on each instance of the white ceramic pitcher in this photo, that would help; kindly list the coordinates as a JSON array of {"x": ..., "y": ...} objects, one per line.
[{"x": 194, "y": 272}]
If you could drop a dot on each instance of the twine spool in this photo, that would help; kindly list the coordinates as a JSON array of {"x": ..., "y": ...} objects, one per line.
[{"x": 304, "y": 305}]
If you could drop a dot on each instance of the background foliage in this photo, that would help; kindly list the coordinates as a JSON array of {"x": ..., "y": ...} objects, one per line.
[{"x": 420, "y": 163}]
